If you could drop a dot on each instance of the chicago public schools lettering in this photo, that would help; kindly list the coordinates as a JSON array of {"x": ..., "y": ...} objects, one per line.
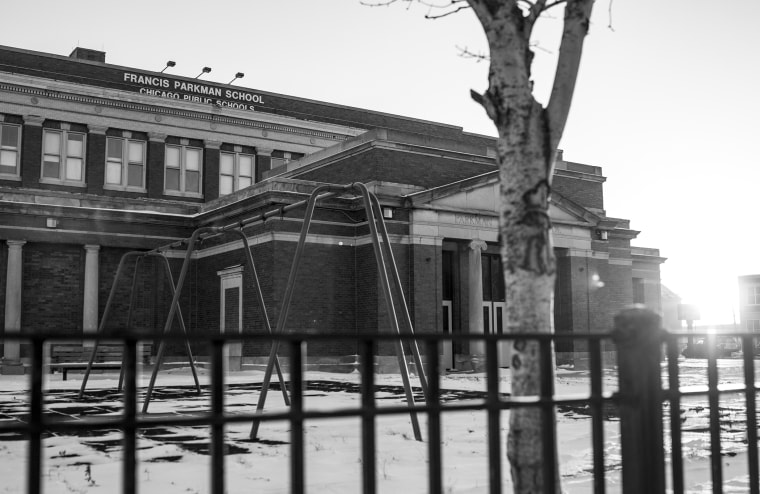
[{"x": 173, "y": 89}]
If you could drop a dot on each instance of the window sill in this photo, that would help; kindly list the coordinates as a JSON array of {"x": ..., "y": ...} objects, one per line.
[
  {"x": 64, "y": 183},
  {"x": 175, "y": 193},
  {"x": 136, "y": 190}
]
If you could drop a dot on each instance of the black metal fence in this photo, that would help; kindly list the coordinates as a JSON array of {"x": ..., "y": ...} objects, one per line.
[{"x": 645, "y": 354}]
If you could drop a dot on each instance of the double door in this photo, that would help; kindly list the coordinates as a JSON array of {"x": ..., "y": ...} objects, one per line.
[{"x": 493, "y": 304}]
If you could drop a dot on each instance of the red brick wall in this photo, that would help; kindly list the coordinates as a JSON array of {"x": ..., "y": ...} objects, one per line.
[
  {"x": 426, "y": 296},
  {"x": 584, "y": 192},
  {"x": 31, "y": 155},
  {"x": 53, "y": 288},
  {"x": 3, "y": 280}
]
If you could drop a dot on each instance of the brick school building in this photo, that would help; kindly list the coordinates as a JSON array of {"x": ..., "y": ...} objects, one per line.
[{"x": 98, "y": 160}]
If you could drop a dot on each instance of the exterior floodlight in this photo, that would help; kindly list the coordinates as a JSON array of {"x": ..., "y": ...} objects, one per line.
[
  {"x": 239, "y": 75},
  {"x": 170, "y": 63},
  {"x": 205, "y": 70}
]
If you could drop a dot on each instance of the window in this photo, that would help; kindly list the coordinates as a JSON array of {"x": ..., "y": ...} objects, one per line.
[
  {"x": 753, "y": 325},
  {"x": 639, "y": 294},
  {"x": 10, "y": 143},
  {"x": 63, "y": 157},
  {"x": 125, "y": 164},
  {"x": 183, "y": 170},
  {"x": 753, "y": 295},
  {"x": 235, "y": 172},
  {"x": 278, "y": 162}
]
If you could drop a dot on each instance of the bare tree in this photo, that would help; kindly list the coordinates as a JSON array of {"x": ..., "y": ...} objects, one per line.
[{"x": 529, "y": 134}]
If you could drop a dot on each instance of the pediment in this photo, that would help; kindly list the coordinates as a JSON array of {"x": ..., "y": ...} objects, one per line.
[
  {"x": 482, "y": 198},
  {"x": 481, "y": 195}
]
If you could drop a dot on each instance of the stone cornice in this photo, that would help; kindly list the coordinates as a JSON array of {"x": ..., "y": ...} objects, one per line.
[{"x": 154, "y": 105}]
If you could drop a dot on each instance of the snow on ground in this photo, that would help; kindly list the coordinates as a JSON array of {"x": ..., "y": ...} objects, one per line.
[{"x": 175, "y": 460}]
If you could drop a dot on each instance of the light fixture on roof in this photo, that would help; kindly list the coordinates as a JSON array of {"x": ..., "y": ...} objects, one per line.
[
  {"x": 239, "y": 75},
  {"x": 205, "y": 70},
  {"x": 170, "y": 63}
]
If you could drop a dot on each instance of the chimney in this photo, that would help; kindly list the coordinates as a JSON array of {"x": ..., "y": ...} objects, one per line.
[{"x": 87, "y": 54}]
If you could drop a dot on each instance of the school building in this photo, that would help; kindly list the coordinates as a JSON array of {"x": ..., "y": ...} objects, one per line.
[{"x": 98, "y": 160}]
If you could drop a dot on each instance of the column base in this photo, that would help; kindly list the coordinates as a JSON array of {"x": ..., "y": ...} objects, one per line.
[
  {"x": 12, "y": 368},
  {"x": 471, "y": 362},
  {"x": 234, "y": 364}
]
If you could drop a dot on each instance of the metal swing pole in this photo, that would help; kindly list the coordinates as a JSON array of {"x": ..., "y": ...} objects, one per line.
[
  {"x": 129, "y": 319},
  {"x": 172, "y": 310},
  {"x": 262, "y": 304},
  {"x": 400, "y": 355},
  {"x": 106, "y": 312},
  {"x": 181, "y": 320},
  {"x": 394, "y": 270},
  {"x": 289, "y": 289}
]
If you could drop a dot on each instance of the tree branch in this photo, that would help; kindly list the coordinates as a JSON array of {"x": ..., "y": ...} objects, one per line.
[
  {"x": 439, "y": 16},
  {"x": 577, "y": 20},
  {"x": 466, "y": 53}
]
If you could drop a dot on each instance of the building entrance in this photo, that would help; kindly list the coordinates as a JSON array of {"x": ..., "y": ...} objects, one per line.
[{"x": 447, "y": 308}]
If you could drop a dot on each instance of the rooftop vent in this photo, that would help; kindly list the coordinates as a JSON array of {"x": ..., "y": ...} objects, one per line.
[{"x": 88, "y": 54}]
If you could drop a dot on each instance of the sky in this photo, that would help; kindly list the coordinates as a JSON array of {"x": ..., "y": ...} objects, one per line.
[{"x": 666, "y": 101}]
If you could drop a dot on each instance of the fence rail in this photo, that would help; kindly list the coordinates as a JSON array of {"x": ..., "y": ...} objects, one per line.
[{"x": 637, "y": 339}]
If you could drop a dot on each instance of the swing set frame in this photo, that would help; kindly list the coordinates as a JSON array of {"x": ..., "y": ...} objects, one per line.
[{"x": 389, "y": 278}]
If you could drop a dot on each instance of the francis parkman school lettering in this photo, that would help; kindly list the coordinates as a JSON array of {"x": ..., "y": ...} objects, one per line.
[
  {"x": 97, "y": 160},
  {"x": 188, "y": 91}
]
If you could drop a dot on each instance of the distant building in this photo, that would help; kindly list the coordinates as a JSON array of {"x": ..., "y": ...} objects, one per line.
[
  {"x": 99, "y": 159},
  {"x": 670, "y": 303},
  {"x": 749, "y": 302}
]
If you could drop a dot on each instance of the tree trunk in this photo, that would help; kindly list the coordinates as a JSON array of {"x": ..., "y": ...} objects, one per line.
[{"x": 526, "y": 147}]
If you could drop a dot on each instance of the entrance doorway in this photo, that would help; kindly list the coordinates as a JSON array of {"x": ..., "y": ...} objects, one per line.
[
  {"x": 447, "y": 308},
  {"x": 231, "y": 313}
]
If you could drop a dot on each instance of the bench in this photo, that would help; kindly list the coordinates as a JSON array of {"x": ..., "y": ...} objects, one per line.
[{"x": 67, "y": 356}]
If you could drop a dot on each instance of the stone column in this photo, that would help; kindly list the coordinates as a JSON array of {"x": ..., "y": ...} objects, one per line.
[
  {"x": 475, "y": 290},
  {"x": 90, "y": 305},
  {"x": 13, "y": 288}
]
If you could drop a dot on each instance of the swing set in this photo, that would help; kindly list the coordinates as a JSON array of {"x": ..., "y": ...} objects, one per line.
[{"x": 388, "y": 276}]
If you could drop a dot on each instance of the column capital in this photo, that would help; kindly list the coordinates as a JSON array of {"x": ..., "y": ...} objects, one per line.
[
  {"x": 264, "y": 151},
  {"x": 33, "y": 120},
  {"x": 478, "y": 245},
  {"x": 91, "y": 248},
  {"x": 156, "y": 137},
  {"x": 15, "y": 244},
  {"x": 97, "y": 129},
  {"x": 212, "y": 144}
]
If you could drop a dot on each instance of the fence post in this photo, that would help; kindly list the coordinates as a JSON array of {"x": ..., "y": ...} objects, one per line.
[{"x": 638, "y": 336}]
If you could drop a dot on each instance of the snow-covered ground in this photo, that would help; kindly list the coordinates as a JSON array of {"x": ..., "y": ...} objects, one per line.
[{"x": 175, "y": 459}]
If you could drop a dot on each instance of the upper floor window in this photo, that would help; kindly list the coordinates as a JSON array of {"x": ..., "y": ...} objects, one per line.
[
  {"x": 639, "y": 294},
  {"x": 63, "y": 157},
  {"x": 10, "y": 144},
  {"x": 753, "y": 295},
  {"x": 235, "y": 172},
  {"x": 753, "y": 325},
  {"x": 280, "y": 161},
  {"x": 183, "y": 170},
  {"x": 125, "y": 164}
]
